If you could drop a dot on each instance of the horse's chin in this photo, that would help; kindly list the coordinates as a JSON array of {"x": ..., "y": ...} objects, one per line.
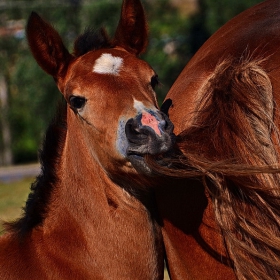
[{"x": 138, "y": 162}]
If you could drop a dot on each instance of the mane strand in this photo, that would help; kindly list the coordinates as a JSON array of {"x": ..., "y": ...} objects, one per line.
[
  {"x": 232, "y": 144},
  {"x": 37, "y": 203}
]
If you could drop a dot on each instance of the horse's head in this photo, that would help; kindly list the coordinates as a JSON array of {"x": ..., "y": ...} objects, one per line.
[{"x": 109, "y": 90}]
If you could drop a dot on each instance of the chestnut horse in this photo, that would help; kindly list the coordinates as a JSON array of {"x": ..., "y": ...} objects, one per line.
[
  {"x": 90, "y": 215},
  {"x": 223, "y": 222}
]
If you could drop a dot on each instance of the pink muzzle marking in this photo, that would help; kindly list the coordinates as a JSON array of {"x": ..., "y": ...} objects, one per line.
[{"x": 149, "y": 120}]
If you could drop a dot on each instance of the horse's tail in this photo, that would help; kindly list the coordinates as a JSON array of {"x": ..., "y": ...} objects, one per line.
[{"x": 234, "y": 142}]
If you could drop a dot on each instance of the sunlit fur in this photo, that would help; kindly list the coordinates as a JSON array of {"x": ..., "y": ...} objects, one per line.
[
  {"x": 224, "y": 220},
  {"x": 90, "y": 214},
  {"x": 236, "y": 139}
]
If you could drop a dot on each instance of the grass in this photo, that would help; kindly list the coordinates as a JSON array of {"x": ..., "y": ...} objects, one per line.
[{"x": 12, "y": 198}]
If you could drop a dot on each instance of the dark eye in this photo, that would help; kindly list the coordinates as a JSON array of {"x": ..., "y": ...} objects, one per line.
[
  {"x": 77, "y": 102},
  {"x": 154, "y": 81}
]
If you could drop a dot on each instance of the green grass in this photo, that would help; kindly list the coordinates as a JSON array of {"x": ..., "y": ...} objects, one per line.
[{"x": 12, "y": 198}]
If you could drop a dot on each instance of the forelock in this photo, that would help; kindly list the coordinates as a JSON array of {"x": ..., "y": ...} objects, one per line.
[{"x": 91, "y": 40}]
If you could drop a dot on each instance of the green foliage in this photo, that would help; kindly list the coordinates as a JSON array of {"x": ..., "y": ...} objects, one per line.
[
  {"x": 174, "y": 38},
  {"x": 218, "y": 12},
  {"x": 168, "y": 51},
  {"x": 101, "y": 13},
  {"x": 33, "y": 102},
  {"x": 33, "y": 94}
]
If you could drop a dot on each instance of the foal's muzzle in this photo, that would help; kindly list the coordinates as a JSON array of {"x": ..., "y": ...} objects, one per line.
[{"x": 148, "y": 133}]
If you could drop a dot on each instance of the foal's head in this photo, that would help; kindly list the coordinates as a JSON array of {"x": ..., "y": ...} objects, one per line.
[{"x": 109, "y": 90}]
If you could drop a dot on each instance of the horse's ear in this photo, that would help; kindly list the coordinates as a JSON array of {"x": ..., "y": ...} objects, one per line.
[
  {"x": 132, "y": 30},
  {"x": 47, "y": 46}
]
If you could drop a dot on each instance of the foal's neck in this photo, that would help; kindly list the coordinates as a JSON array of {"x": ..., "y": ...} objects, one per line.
[
  {"x": 86, "y": 193},
  {"x": 102, "y": 217},
  {"x": 87, "y": 220}
]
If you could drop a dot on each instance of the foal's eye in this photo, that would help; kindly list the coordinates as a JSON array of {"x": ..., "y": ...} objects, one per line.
[
  {"x": 77, "y": 102},
  {"x": 154, "y": 81}
]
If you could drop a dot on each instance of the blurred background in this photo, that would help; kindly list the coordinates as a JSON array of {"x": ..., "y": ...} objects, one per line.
[{"x": 28, "y": 96}]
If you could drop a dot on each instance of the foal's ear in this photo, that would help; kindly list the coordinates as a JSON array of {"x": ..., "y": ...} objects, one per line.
[
  {"x": 132, "y": 30},
  {"x": 47, "y": 46}
]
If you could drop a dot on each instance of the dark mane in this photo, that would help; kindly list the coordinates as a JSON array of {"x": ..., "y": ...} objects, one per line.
[
  {"x": 232, "y": 145},
  {"x": 37, "y": 202},
  {"x": 91, "y": 40}
]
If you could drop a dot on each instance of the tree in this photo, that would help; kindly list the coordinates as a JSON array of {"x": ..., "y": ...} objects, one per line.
[
  {"x": 8, "y": 45},
  {"x": 32, "y": 94},
  {"x": 6, "y": 152}
]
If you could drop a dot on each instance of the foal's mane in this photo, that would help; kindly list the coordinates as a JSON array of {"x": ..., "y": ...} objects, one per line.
[
  {"x": 50, "y": 155},
  {"x": 232, "y": 145}
]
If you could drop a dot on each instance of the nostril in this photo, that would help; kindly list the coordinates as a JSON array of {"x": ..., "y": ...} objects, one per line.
[
  {"x": 131, "y": 127},
  {"x": 133, "y": 131}
]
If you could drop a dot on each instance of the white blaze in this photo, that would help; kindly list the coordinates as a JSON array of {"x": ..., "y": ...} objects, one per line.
[
  {"x": 108, "y": 64},
  {"x": 138, "y": 105}
]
